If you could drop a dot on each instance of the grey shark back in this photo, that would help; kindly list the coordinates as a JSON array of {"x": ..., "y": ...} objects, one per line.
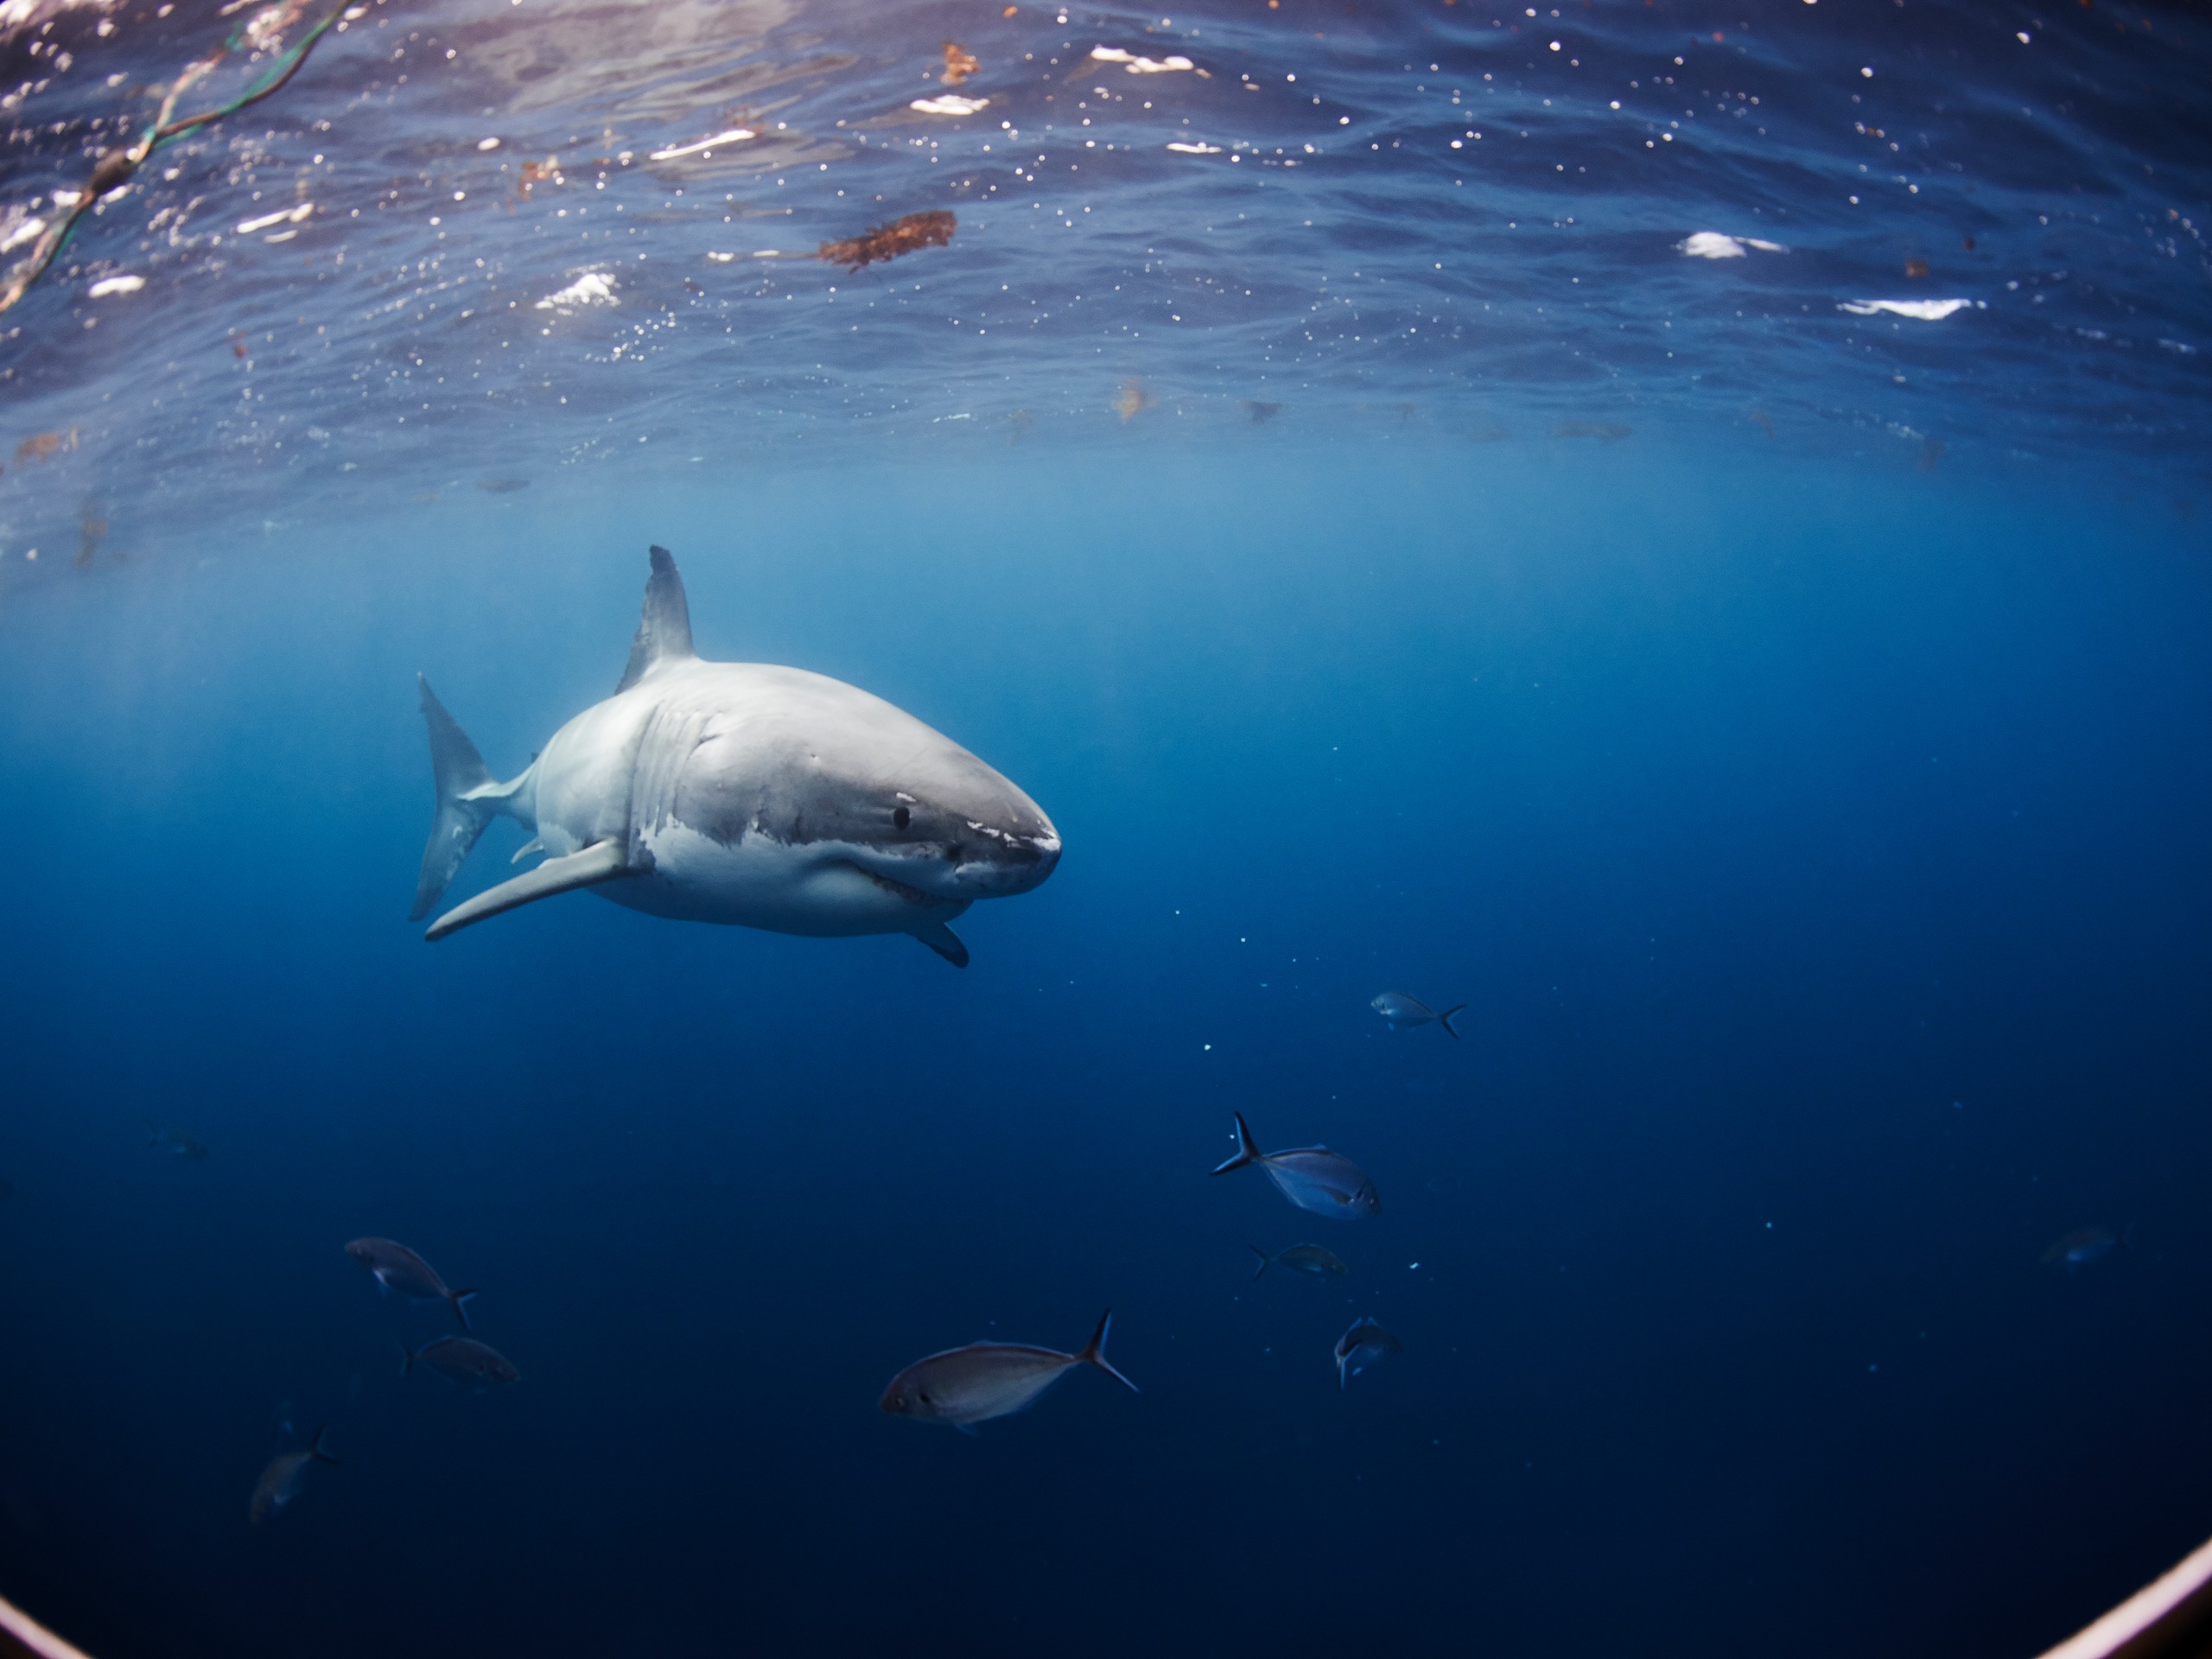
[{"x": 743, "y": 793}]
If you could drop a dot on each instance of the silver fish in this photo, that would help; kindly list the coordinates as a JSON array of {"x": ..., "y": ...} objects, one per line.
[
  {"x": 971, "y": 1385},
  {"x": 281, "y": 1481},
  {"x": 1363, "y": 1347},
  {"x": 1312, "y": 1178},
  {"x": 396, "y": 1267},
  {"x": 177, "y": 1143},
  {"x": 2086, "y": 1246},
  {"x": 1403, "y": 1011},
  {"x": 463, "y": 1360},
  {"x": 1301, "y": 1258}
]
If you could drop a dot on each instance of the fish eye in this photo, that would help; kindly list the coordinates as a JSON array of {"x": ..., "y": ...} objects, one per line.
[{"x": 902, "y": 817}]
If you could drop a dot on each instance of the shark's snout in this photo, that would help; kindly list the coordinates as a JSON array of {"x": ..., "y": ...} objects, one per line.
[{"x": 997, "y": 863}]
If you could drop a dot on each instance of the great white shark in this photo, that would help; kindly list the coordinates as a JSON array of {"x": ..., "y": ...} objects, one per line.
[{"x": 743, "y": 793}]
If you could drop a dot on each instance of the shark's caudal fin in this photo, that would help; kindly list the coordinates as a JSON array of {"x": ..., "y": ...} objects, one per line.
[
  {"x": 665, "y": 628},
  {"x": 1094, "y": 1352},
  {"x": 1248, "y": 1149},
  {"x": 468, "y": 798},
  {"x": 943, "y": 940},
  {"x": 1445, "y": 1020},
  {"x": 600, "y": 861}
]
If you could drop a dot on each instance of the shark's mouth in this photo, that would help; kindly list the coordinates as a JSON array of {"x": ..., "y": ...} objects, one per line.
[{"x": 897, "y": 889}]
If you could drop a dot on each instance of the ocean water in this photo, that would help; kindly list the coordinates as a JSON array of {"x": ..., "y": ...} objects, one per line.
[{"x": 1394, "y": 562}]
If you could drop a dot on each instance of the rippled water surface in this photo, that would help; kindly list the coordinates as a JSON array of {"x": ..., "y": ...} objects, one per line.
[{"x": 1679, "y": 527}]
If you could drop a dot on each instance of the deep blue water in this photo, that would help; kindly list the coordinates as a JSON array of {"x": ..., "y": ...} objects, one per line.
[{"x": 1792, "y": 750}]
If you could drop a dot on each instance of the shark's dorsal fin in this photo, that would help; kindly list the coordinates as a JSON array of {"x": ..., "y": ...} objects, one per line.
[{"x": 664, "y": 629}]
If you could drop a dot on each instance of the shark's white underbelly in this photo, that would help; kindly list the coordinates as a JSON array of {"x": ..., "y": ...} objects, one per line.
[{"x": 813, "y": 889}]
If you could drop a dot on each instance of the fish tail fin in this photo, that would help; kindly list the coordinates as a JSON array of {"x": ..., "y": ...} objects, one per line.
[
  {"x": 457, "y": 1298},
  {"x": 468, "y": 798},
  {"x": 314, "y": 1447},
  {"x": 1266, "y": 1260},
  {"x": 1445, "y": 1020},
  {"x": 1247, "y": 1150},
  {"x": 1094, "y": 1352},
  {"x": 406, "y": 1359}
]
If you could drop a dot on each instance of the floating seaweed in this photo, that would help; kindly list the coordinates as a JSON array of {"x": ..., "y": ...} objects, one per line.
[
  {"x": 92, "y": 530},
  {"x": 44, "y": 446},
  {"x": 1261, "y": 413},
  {"x": 1931, "y": 451},
  {"x": 1604, "y": 431},
  {"x": 1765, "y": 421},
  {"x": 537, "y": 173},
  {"x": 1916, "y": 267},
  {"x": 502, "y": 486},
  {"x": 931, "y": 229},
  {"x": 1018, "y": 424},
  {"x": 959, "y": 63},
  {"x": 1132, "y": 401}
]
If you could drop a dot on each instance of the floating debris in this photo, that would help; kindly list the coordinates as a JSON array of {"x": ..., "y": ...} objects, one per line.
[
  {"x": 282, "y": 216},
  {"x": 1261, "y": 413},
  {"x": 1132, "y": 401},
  {"x": 502, "y": 486},
  {"x": 700, "y": 146},
  {"x": 1018, "y": 424},
  {"x": 1195, "y": 149},
  {"x": 1713, "y": 245},
  {"x": 1915, "y": 268},
  {"x": 114, "y": 170},
  {"x": 1919, "y": 310},
  {"x": 1604, "y": 431},
  {"x": 1763, "y": 420},
  {"x": 44, "y": 446},
  {"x": 537, "y": 173},
  {"x": 949, "y": 104},
  {"x": 959, "y": 63},
  {"x": 931, "y": 229},
  {"x": 1931, "y": 451},
  {"x": 593, "y": 288},
  {"x": 108, "y": 285},
  {"x": 1137, "y": 65}
]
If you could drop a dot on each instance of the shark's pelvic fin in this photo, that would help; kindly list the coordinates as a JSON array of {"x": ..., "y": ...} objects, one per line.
[
  {"x": 600, "y": 861},
  {"x": 943, "y": 940},
  {"x": 665, "y": 628},
  {"x": 533, "y": 845}
]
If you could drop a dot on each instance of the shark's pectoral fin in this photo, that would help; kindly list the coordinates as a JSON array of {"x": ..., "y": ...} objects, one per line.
[
  {"x": 600, "y": 861},
  {"x": 533, "y": 845},
  {"x": 941, "y": 939}
]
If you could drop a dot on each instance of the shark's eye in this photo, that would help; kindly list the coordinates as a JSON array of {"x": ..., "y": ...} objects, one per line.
[{"x": 902, "y": 817}]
